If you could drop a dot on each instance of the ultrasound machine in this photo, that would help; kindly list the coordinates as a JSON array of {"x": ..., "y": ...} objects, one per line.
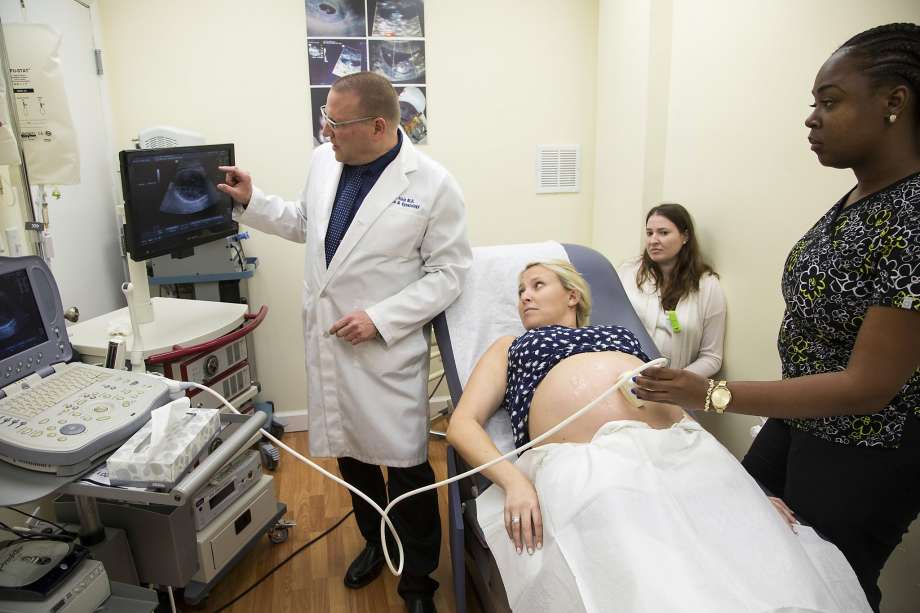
[
  {"x": 55, "y": 416},
  {"x": 57, "y": 419},
  {"x": 61, "y": 418}
]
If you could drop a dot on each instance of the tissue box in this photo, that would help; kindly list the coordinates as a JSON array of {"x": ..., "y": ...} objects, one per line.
[{"x": 191, "y": 432}]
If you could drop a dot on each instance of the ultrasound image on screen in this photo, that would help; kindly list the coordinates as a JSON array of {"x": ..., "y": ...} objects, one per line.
[
  {"x": 332, "y": 59},
  {"x": 21, "y": 326},
  {"x": 400, "y": 61},
  {"x": 335, "y": 18},
  {"x": 190, "y": 191},
  {"x": 398, "y": 18},
  {"x": 175, "y": 194}
]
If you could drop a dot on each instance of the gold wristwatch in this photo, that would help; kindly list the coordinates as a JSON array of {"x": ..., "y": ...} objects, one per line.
[{"x": 720, "y": 396}]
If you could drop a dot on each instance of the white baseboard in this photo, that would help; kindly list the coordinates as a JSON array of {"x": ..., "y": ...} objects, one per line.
[{"x": 293, "y": 421}]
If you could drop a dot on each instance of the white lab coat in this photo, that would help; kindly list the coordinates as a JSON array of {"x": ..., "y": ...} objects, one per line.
[{"x": 403, "y": 260}]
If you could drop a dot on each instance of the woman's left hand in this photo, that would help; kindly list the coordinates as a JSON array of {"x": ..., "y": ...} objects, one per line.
[
  {"x": 523, "y": 520},
  {"x": 671, "y": 386}
]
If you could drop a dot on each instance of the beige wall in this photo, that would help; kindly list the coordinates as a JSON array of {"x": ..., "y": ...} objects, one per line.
[
  {"x": 623, "y": 152},
  {"x": 733, "y": 92},
  {"x": 236, "y": 71}
]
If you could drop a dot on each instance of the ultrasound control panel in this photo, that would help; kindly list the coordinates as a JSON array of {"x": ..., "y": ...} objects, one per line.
[{"x": 63, "y": 422}]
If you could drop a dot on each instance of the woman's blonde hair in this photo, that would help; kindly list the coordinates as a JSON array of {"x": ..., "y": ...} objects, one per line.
[{"x": 571, "y": 279}]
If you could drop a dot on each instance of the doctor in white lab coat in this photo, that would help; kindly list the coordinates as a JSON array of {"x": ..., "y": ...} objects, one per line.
[{"x": 401, "y": 260}]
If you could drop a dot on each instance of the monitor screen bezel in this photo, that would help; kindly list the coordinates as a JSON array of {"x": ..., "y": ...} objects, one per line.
[{"x": 135, "y": 250}]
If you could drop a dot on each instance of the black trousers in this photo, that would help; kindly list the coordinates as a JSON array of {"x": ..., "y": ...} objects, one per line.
[
  {"x": 862, "y": 499},
  {"x": 416, "y": 519}
]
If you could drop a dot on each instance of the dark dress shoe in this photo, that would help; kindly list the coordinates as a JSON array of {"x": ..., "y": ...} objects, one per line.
[
  {"x": 366, "y": 567},
  {"x": 420, "y": 605}
]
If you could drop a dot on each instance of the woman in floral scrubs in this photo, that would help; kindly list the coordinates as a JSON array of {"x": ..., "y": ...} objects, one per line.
[{"x": 842, "y": 447}]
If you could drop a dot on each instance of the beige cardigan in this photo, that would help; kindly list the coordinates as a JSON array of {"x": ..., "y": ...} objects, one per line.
[{"x": 698, "y": 345}]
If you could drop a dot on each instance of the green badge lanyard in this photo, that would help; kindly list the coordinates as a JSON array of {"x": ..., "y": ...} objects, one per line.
[{"x": 672, "y": 317}]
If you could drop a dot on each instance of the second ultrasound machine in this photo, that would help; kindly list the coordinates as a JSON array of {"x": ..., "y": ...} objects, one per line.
[{"x": 58, "y": 417}]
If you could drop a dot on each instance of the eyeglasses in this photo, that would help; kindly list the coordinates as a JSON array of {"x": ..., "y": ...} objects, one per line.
[{"x": 338, "y": 124}]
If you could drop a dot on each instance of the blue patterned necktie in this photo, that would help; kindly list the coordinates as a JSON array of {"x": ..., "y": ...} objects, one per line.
[{"x": 341, "y": 211}]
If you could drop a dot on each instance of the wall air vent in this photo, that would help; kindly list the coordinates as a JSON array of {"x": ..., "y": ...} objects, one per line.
[{"x": 558, "y": 169}]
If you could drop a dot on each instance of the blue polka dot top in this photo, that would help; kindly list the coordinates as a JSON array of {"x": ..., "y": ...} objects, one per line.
[{"x": 533, "y": 354}]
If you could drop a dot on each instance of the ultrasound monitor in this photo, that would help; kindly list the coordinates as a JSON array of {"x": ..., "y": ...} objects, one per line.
[
  {"x": 21, "y": 324},
  {"x": 32, "y": 332},
  {"x": 171, "y": 199}
]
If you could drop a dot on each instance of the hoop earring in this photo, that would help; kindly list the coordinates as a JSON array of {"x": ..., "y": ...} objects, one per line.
[{"x": 892, "y": 118}]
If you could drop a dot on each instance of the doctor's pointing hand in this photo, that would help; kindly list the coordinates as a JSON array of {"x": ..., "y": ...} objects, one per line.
[{"x": 238, "y": 184}]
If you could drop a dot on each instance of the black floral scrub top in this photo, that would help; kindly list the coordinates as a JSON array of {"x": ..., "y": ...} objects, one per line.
[{"x": 867, "y": 254}]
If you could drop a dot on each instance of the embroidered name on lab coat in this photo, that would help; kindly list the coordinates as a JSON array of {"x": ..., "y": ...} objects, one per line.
[{"x": 407, "y": 202}]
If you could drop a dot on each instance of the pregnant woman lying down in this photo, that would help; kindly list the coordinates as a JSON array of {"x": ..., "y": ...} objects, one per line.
[{"x": 627, "y": 508}]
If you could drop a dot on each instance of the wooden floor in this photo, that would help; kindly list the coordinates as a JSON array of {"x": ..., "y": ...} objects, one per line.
[{"x": 312, "y": 581}]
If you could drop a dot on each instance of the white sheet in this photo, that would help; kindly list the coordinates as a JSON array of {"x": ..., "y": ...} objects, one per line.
[
  {"x": 487, "y": 310},
  {"x": 659, "y": 521}
]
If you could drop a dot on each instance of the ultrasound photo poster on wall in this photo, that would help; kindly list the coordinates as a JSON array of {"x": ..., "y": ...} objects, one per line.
[{"x": 385, "y": 36}]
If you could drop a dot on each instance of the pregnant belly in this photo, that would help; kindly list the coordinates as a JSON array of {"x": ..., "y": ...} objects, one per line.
[{"x": 578, "y": 380}]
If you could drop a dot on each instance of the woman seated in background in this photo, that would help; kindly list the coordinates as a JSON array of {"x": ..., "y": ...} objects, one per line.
[
  {"x": 628, "y": 508},
  {"x": 676, "y": 294}
]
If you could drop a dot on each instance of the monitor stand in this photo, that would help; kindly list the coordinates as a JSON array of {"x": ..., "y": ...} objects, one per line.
[{"x": 139, "y": 301}]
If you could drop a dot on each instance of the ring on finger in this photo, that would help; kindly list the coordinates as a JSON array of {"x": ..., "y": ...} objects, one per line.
[{"x": 515, "y": 519}]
